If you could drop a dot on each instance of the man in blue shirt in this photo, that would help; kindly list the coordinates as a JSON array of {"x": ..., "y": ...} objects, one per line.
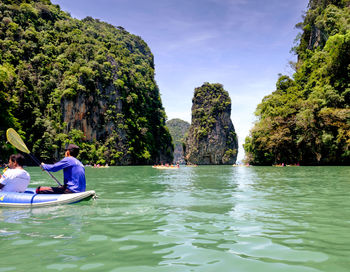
[{"x": 73, "y": 173}]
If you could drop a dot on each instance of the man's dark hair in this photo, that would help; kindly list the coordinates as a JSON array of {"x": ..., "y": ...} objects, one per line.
[
  {"x": 73, "y": 149},
  {"x": 19, "y": 158}
]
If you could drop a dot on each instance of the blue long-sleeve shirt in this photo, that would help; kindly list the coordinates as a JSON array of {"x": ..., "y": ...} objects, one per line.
[{"x": 73, "y": 173}]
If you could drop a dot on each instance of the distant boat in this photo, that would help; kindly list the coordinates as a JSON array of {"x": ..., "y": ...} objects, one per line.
[
  {"x": 100, "y": 166},
  {"x": 166, "y": 167},
  {"x": 279, "y": 165}
]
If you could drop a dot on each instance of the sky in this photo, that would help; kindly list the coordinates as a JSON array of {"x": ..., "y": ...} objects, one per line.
[{"x": 241, "y": 44}]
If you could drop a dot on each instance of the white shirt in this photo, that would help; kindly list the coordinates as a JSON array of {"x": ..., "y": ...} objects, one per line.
[{"x": 15, "y": 180}]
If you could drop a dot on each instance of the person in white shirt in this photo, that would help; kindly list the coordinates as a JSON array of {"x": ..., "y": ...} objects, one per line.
[{"x": 15, "y": 179}]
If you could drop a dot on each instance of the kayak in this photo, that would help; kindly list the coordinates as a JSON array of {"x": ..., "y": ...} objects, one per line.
[
  {"x": 31, "y": 199},
  {"x": 166, "y": 167}
]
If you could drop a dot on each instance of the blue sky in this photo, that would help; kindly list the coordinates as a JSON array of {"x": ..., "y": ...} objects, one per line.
[{"x": 242, "y": 44}]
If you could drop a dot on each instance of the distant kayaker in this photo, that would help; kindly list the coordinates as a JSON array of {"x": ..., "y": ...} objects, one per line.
[
  {"x": 15, "y": 179},
  {"x": 73, "y": 173}
]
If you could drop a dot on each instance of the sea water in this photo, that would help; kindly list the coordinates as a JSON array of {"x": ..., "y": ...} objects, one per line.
[{"x": 205, "y": 218}]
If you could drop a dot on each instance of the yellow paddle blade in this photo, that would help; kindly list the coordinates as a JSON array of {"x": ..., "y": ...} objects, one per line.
[{"x": 16, "y": 140}]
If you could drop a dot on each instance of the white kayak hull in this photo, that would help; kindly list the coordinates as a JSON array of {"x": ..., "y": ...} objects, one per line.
[{"x": 30, "y": 199}]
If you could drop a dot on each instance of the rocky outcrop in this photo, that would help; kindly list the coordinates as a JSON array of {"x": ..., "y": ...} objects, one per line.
[
  {"x": 88, "y": 113},
  {"x": 178, "y": 130},
  {"x": 212, "y": 138}
]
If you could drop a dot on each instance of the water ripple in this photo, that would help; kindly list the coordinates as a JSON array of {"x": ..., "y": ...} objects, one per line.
[{"x": 193, "y": 219}]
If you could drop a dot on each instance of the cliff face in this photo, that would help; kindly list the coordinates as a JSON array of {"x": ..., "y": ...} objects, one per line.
[
  {"x": 178, "y": 130},
  {"x": 125, "y": 111},
  {"x": 88, "y": 113},
  {"x": 211, "y": 138},
  {"x": 82, "y": 81}
]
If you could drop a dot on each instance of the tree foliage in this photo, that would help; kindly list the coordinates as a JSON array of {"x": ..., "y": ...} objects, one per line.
[
  {"x": 307, "y": 118},
  {"x": 49, "y": 60},
  {"x": 178, "y": 130}
]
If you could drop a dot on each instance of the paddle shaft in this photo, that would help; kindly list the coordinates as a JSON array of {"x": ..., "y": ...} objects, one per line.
[{"x": 39, "y": 164}]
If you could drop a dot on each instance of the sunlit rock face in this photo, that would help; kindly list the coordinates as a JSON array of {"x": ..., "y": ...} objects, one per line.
[{"x": 211, "y": 138}]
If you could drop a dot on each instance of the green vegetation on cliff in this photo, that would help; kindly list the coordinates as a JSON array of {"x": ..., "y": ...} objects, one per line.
[
  {"x": 211, "y": 138},
  {"x": 178, "y": 130},
  {"x": 209, "y": 100},
  {"x": 307, "y": 118},
  {"x": 86, "y": 81}
]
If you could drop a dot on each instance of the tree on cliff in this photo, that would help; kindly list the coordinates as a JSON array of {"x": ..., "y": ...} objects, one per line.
[
  {"x": 178, "y": 130},
  {"x": 64, "y": 79},
  {"x": 211, "y": 138},
  {"x": 307, "y": 118}
]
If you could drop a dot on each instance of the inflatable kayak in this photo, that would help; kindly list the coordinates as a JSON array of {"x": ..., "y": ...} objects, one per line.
[{"x": 30, "y": 199}]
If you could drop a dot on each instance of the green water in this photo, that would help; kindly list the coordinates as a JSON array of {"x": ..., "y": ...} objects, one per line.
[{"x": 209, "y": 218}]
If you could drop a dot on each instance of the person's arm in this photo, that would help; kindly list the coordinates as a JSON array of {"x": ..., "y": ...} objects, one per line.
[
  {"x": 2, "y": 178},
  {"x": 57, "y": 166}
]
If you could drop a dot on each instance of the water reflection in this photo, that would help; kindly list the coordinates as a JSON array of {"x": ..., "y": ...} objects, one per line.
[{"x": 290, "y": 208}]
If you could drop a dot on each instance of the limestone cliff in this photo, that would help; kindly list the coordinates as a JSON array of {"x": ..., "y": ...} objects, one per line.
[
  {"x": 178, "y": 130},
  {"x": 84, "y": 81},
  {"x": 124, "y": 112},
  {"x": 212, "y": 138}
]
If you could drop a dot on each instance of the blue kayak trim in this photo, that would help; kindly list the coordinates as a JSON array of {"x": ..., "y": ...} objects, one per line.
[{"x": 30, "y": 198}]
